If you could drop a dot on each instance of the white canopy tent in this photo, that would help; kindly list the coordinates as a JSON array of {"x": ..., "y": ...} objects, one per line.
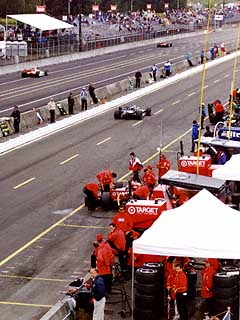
[
  {"x": 202, "y": 227},
  {"x": 230, "y": 170},
  {"x": 40, "y": 21}
]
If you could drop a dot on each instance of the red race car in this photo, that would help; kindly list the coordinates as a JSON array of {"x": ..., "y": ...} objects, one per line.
[
  {"x": 33, "y": 73},
  {"x": 164, "y": 44}
]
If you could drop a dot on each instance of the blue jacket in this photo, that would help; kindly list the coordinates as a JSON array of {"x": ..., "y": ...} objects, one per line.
[
  {"x": 204, "y": 111},
  {"x": 98, "y": 288},
  {"x": 195, "y": 128}
]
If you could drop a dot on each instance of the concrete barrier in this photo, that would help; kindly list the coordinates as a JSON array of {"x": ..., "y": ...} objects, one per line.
[{"x": 60, "y": 311}]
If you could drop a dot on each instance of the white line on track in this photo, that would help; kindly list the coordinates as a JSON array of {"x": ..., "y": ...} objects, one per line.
[
  {"x": 103, "y": 141},
  {"x": 216, "y": 81},
  {"x": 226, "y": 76},
  {"x": 205, "y": 87},
  {"x": 161, "y": 110},
  {"x": 69, "y": 159},
  {"x": 137, "y": 123},
  {"x": 176, "y": 102},
  {"x": 192, "y": 93},
  {"x": 24, "y": 183}
]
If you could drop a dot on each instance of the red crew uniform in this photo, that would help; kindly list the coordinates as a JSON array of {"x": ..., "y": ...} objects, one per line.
[
  {"x": 207, "y": 274},
  {"x": 163, "y": 166},
  {"x": 149, "y": 178},
  {"x": 105, "y": 178},
  {"x": 93, "y": 187},
  {"x": 141, "y": 193},
  {"x": 123, "y": 221}
]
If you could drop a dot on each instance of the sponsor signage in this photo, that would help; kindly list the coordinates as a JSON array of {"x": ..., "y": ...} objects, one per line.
[
  {"x": 95, "y": 7},
  {"x": 142, "y": 210},
  {"x": 40, "y": 9},
  {"x": 192, "y": 163},
  {"x": 113, "y": 7},
  {"x": 218, "y": 17},
  {"x": 234, "y": 134}
]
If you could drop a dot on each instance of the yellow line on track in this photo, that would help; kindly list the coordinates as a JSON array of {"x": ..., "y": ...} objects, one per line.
[
  {"x": 31, "y": 278},
  {"x": 24, "y": 183},
  {"x": 39, "y": 236},
  {"x": 69, "y": 159},
  {"x": 105, "y": 140},
  {"x": 21, "y": 304},
  {"x": 137, "y": 123},
  {"x": 79, "y": 226}
]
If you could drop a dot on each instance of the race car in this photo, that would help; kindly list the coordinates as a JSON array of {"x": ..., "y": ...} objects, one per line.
[
  {"x": 33, "y": 73},
  {"x": 131, "y": 113},
  {"x": 164, "y": 44}
]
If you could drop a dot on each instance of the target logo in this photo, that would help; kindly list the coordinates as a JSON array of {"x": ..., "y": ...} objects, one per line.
[
  {"x": 131, "y": 210},
  {"x": 184, "y": 163}
]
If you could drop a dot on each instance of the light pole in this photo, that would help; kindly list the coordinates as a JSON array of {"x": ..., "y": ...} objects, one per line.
[{"x": 80, "y": 31}]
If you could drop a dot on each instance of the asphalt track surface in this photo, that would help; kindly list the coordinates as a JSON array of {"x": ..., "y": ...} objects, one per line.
[
  {"x": 101, "y": 70},
  {"x": 46, "y": 234}
]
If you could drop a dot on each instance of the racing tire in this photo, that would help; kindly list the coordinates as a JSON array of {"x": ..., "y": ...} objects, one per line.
[
  {"x": 138, "y": 115},
  {"x": 229, "y": 269},
  {"x": 148, "y": 112},
  {"x": 170, "y": 45},
  {"x": 46, "y": 73},
  {"x": 23, "y": 75},
  {"x": 146, "y": 276},
  {"x": 222, "y": 280},
  {"x": 148, "y": 289},
  {"x": 149, "y": 302},
  {"x": 225, "y": 293},
  {"x": 38, "y": 74},
  {"x": 105, "y": 201},
  {"x": 117, "y": 114}
]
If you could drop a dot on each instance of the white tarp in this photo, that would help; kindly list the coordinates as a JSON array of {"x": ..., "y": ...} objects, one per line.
[
  {"x": 41, "y": 21},
  {"x": 202, "y": 227},
  {"x": 230, "y": 170}
]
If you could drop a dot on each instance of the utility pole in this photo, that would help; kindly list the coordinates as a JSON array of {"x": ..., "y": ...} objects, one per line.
[{"x": 80, "y": 31}]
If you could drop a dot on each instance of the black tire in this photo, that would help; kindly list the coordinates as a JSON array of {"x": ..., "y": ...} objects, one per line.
[
  {"x": 192, "y": 283},
  {"x": 149, "y": 302},
  {"x": 117, "y": 114},
  {"x": 138, "y": 115},
  {"x": 105, "y": 201},
  {"x": 225, "y": 293},
  {"x": 222, "y": 280},
  {"x": 144, "y": 314},
  {"x": 24, "y": 75},
  {"x": 148, "y": 112},
  {"x": 170, "y": 45},
  {"x": 148, "y": 289},
  {"x": 46, "y": 73},
  {"x": 38, "y": 74},
  {"x": 146, "y": 276},
  {"x": 229, "y": 269}
]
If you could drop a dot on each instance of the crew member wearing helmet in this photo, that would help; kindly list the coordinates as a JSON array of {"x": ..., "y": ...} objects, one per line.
[
  {"x": 136, "y": 166},
  {"x": 163, "y": 166}
]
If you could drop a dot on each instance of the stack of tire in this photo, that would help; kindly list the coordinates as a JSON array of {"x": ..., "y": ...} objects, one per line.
[
  {"x": 192, "y": 282},
  {"x": 149, "y": 292},
  {"x": 226, "y": 291}
]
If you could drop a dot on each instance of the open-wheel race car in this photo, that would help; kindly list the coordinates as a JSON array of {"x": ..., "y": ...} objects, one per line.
[
  {"x": 164, "y": 44},
  {"x": 33, "y": 73},
  {"x": 132, "y": 113}
]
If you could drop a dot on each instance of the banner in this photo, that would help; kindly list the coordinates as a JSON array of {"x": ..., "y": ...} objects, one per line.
[
  {"x": 40, "y": 9},
  {"x": 113, "y": 7},
  {"x": 95, "y": 7}
]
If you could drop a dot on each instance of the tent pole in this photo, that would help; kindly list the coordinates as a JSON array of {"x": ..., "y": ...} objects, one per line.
[{"x": 132, "y": 283}]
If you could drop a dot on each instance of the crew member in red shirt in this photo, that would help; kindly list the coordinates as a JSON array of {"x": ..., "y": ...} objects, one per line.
[
  {"x": 143, "y": 193},
  {"x": 122, "y": 220},
  {"x": 214, "y": 263},
  {"x": 106, "y": 179},
  {"x": 179, "y": 289},
  {"x": 149, "y": 178},
  {"x": 105, "y": 261},
  {"x": 91, "y": 192},
  {"x": 163, "y": 166},
  {"x": 135, "y": 166},
  {"x": 207, "y": 284},
  {"x": 219, "y": 110},
  {"x": 117, "y": 240}
]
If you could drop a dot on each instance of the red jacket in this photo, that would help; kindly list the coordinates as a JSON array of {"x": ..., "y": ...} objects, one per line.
[
  {"x": 163, "y": 166},
  {"x": 117, "y": 237},
  {"x": 105, "y": 177},
  {"x": 179, "y": 283},
  {"x": 219, "y": 107},
  {"x": 207, "y": 274},
  {"x": 142, "y": 192},
  {"x": 149, "y": 178},
  {"x": 215, "y": 263},
  {"x": 135, "y": 164},
  {"x": 123, "y": 221},
  {"x": 92, "y": 187},
  {"x": 104, "y": 258}
]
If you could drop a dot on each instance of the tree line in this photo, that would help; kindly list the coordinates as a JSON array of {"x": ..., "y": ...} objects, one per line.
[{"x": 60, "y": 7}]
